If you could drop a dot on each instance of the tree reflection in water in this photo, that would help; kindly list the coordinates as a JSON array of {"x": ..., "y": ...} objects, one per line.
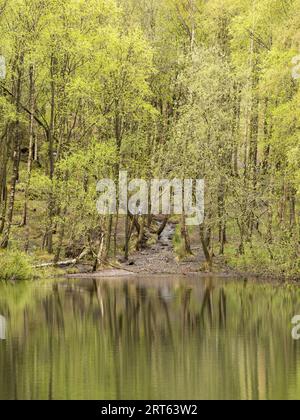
[
  {"x": 152, "y": 339},
  {"x": 2, "y": 328}
]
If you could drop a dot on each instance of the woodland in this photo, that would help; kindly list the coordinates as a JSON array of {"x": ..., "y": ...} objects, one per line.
[{"x": 161, "y": 89}]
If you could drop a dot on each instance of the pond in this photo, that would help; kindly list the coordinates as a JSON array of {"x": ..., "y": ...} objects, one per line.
[{"x": 149, "y": 338}]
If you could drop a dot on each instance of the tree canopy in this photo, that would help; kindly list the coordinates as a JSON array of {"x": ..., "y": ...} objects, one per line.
[{"x": 160, "y": 88}]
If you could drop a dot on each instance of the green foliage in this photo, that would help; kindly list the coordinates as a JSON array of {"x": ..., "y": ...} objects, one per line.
[
  {"x": 180, "y": 88},
  {"x": 277, "y": 259},
  {"x": 15, "y": 265}
]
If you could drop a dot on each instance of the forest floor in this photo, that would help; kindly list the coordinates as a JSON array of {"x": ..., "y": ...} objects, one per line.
[
  {"x": 157, "y": 257},
  {"x": 160, "y": 259}
]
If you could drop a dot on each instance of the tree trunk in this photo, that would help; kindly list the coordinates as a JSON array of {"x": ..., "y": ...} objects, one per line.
[
  {"x": 162, "y": 226},
  {"x": 206, "y": 252},
  {"x": 99, "y": 258},
  {"x": 3, "y": 177},
  {"x": 108, "y": 238},
  {"x": 16, "y": 160},
  {"x": 185, "y": 236},
  {"x": 221, "y": 214},
  {"x": 50, "y": 138},
  {"x": 127, "y": 238},
  {"x": 60, "y": 242},
  {"x": 31, "y": 140},
  {"x": 139, "y": 244}
]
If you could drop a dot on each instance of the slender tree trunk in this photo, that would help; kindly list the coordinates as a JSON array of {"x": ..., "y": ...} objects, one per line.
[
  {"x": 50, "y": 139},
  {"x": 99, "y": 258},
  {"x": 31, "y": 144},
  {"x": 116, "y": 233},
  {"x": 16, "y": 160},
  {"x": 162, "y": 226},
  {"x": 270, "y": 224},
  {"x": 254, "y": 129},
  {"x": 221, "y": 214},
  {"x": 236, "y": 129},
  {"x": 292, "y": 201},
  {"x": 127, "y": 238},
  {"x": 139, "y": 244},
  {"x": 185, "y": 236},
  {"x": 3, "y": 176},
  {"x": 3, "y": 210},
  {"x": 61, "y": 236},
  {"x": 206, "y": 252},
  {"x": 241, "y": 249},
  {"x": 108, "y": 238}
]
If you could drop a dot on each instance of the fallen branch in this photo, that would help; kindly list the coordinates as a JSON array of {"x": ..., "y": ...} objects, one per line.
[
  {"x": 107, "y": 263},
  {"x": 64, "y": 263},
  {"x": 58, "y": 264}
]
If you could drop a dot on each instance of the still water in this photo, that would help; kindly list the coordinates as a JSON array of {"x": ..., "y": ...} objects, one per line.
[{"x": 155, "y": 338}]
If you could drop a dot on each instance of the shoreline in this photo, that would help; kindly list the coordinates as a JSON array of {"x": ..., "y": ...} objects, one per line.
[{"x": 230, "y": 274}]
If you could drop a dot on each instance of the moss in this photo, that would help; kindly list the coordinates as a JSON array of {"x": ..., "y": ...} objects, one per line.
[{"x": 152, "y": 240}]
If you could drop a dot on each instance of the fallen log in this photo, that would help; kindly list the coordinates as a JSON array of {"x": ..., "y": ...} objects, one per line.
[
  {"x": 58, "y": 264},
  {"x": 66, "y": 263}
]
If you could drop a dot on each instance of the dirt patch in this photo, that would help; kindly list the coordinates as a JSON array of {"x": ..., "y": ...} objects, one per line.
[{"x": 160, "y": 258}]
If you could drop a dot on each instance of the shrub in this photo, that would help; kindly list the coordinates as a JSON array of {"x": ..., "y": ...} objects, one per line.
[
  {"x": 281, "y": 259},
  {"x": 15, "y": 265}
]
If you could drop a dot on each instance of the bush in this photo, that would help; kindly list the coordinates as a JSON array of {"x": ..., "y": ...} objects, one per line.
[
  {"x": 280, "y": 259},
  {"x": 15, "y": 265}
]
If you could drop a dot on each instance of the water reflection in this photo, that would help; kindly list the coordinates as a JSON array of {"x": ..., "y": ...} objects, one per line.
[
  {"x": 2, "y": 328},
  {"x": 150, "y": 339}
]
